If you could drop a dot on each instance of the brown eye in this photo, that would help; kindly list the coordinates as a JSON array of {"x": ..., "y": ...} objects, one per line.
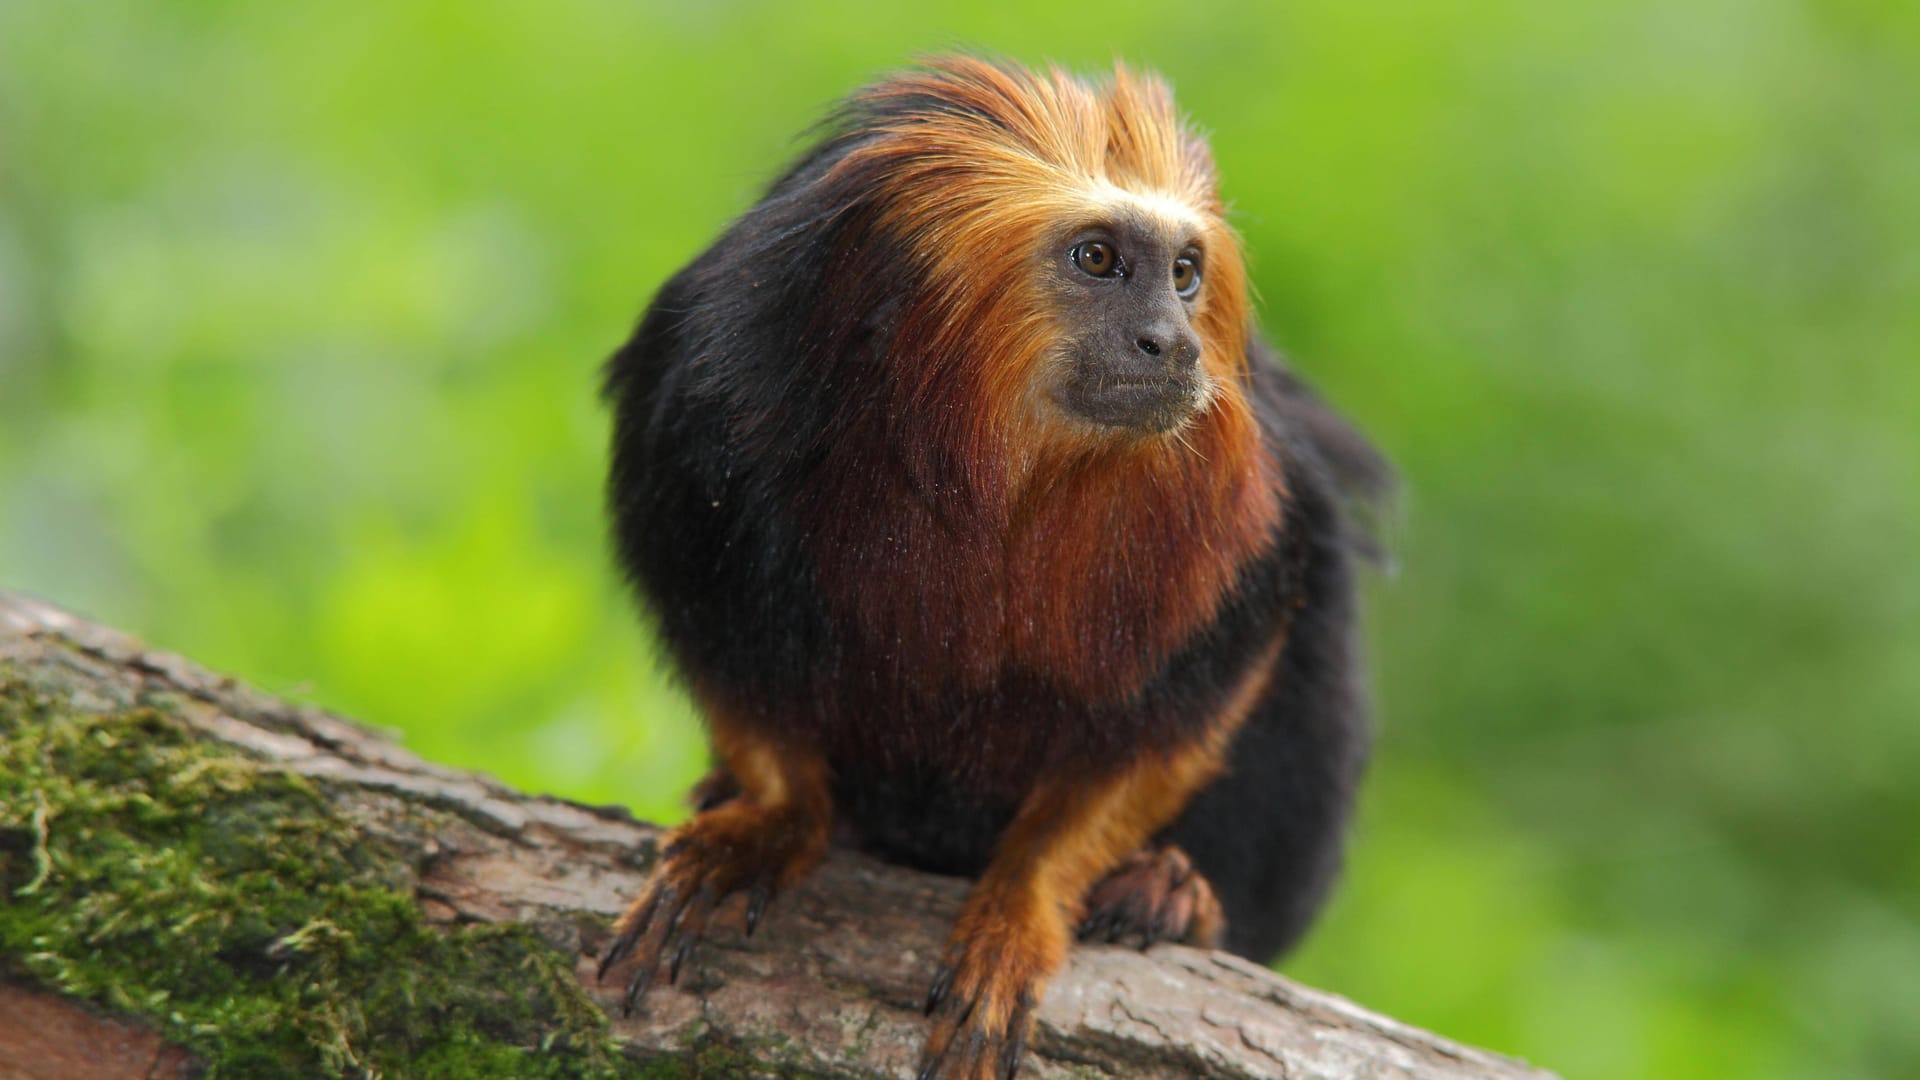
[
  {"x": 1186, "y": 275},
  {"x": 1096, "y": 257}
]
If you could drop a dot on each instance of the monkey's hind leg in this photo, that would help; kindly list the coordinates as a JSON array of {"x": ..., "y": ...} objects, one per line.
[
  {"x": 1155, "y": 895},
  {"x": 759, "y": 843}
]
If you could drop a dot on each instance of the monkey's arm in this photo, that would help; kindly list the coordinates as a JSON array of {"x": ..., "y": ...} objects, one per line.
[
  {"x": 1014, "y": 930},
  {"x": 758, "y": 842}
]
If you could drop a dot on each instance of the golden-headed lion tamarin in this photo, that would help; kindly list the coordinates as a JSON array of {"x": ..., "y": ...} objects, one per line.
[{"x": 984, "y": 531}]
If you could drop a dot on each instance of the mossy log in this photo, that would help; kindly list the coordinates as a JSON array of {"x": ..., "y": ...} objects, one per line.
[{"x": 200, "y": 879}]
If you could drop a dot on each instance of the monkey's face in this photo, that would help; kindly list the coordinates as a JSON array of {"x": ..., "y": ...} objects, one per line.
[
  {"x": 1077, "y": 284},
  {"x": 1128, "y": 292}
]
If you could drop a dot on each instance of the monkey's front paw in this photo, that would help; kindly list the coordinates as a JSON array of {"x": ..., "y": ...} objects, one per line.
[
  {"x": 1155, "y": 895},
  {"x": 982, "y": 1007},
  {"x": 738, "y": 848}
]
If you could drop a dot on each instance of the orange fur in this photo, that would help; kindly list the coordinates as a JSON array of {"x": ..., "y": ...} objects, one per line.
[{"x": 760, "y": 842}]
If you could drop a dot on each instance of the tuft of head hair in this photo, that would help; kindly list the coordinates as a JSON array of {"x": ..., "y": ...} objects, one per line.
[{"x": 1000, "y": 126}]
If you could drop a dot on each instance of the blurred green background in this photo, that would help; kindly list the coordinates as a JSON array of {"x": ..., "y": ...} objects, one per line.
[{"x": 301, "y": 305}]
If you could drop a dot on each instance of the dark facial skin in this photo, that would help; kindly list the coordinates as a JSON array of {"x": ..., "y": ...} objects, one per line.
[{"x": 1129, "y": 290}]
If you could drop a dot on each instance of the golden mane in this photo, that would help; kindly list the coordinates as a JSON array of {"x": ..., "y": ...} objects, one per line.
[{"x": 982, "y": 172}]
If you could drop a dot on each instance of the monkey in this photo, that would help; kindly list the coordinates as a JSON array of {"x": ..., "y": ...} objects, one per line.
[{"x": 989, "y": 538}]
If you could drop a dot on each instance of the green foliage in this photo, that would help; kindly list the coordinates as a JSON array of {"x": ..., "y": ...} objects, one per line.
[
  {"x": 236, "y": 909},
  {"x": 300, "y": 309}
]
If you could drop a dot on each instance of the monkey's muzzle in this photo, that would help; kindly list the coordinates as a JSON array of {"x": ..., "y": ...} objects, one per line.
[{"x": 1146, "y": 401}]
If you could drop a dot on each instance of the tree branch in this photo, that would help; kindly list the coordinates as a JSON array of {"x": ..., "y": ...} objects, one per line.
[{"x": 490, "y": 906}]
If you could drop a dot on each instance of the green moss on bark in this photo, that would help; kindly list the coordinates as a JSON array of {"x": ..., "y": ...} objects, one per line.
[{"x": 236, "y": 908}]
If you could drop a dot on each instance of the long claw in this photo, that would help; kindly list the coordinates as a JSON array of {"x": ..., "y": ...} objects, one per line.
[
  {"x": 757, "y": 905},
  {"x": 636, "y": 928},
  {"x": 680, "y": 954},
  {"x": 942, "y": 986},
  {"x": 615, "y": 953},
  {"x": 974, "y": 1050},
  {"x": 1011, "y": 1053},
  {"x": 690, "y": 927},
  {"x": 637, "y": 988}
]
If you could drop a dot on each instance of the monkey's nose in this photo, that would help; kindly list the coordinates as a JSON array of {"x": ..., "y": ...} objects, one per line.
[{"x": 1176, "y": 345}]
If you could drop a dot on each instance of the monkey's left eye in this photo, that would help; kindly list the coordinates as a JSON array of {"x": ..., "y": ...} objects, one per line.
[
  {"x": 1186, "y": 275},
  {"x": 1096, "y": 257}
]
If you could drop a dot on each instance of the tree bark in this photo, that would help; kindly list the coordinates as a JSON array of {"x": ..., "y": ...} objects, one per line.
[{"x": 829, "y": 986}]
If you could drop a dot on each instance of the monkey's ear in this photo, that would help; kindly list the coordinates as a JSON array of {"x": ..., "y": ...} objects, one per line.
[{"x": 1320, "y": 438}]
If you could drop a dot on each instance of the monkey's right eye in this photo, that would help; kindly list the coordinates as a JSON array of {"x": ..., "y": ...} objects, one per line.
[{"x": 1096, "y": 257}]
